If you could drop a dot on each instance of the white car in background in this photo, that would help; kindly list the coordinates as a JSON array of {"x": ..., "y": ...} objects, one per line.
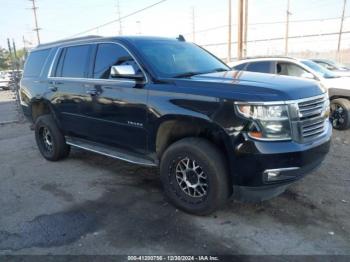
[
  {"x": 338, "y": 87},
  {"x": 339, "y": 69},
  {"x": 4, "y": 81}
]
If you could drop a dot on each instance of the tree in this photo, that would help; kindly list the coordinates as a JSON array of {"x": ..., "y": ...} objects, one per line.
[{"x": 4, "y": 59}]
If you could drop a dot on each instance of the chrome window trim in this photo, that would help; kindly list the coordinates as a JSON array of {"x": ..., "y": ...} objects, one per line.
[
  {"x": 89, "y": 78},
  {"x": 52, "y": 63}
]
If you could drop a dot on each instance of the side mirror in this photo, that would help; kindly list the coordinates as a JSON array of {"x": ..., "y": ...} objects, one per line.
[
  {"x": 308, "y": 76},
  {"x": 125, "y": 71}
]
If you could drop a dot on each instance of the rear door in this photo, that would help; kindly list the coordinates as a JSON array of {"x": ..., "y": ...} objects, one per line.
[{"x": 68, "y": 83}]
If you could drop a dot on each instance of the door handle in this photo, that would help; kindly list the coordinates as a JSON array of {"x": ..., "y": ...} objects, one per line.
[
  {"x": 55, "y": 83},
  {"x": 53, "y": 88},
  {"x": 91, "y": 92}
]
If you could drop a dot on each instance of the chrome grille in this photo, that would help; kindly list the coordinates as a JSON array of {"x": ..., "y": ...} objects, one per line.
[
  {"x": 311, "y": 108},
  {"x": 312, "y": 117}
]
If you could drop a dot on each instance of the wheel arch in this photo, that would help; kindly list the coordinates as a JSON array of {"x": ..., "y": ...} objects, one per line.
[
  {"x": 39, "y": 107},
  {"x": 174, "y": 128}
]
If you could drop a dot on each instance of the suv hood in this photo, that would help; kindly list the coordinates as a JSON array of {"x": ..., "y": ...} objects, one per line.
[{"x": 249, "y": 86}]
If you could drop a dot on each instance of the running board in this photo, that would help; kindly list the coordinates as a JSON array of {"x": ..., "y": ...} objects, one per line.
[{"x": 109, "y": 151}]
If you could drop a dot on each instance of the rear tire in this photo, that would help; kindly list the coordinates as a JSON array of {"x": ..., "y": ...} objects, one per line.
[
  {"x": 194, "y": 176},
  {"x": 50, "y": 140},
  {"x": 340, "y": 113}
]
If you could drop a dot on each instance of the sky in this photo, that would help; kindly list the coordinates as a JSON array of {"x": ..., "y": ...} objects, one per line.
[{"x": 65, "y": 18}]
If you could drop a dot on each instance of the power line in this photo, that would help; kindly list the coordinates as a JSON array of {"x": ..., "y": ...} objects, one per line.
[
  {"x": 268, "y": 23},
  {"x": 119, "y": 19},
  {"x": 280, "y": 38}
]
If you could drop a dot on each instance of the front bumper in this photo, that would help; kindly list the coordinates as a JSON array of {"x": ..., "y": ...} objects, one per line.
[{"x": 253, "y": 158}]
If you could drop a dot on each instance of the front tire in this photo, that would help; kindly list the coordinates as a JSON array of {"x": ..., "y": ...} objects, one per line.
[
  {"x": 50, "y": 140},
  {"x": 340, "y": 113},
  {"x": 194, "y": 176}
]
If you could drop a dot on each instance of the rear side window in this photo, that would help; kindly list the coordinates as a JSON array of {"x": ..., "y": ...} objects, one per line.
[
  {"x": 109, "y": 55},
  {"x": 35, "y": 63},
  {"x": 74, "y": 62},
  {"x": 260, "y": 67}
]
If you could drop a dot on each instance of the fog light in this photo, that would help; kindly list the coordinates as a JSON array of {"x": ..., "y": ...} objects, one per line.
[
  {"x": 279, "y": 174},
  {"x": 272, "y": 175}
]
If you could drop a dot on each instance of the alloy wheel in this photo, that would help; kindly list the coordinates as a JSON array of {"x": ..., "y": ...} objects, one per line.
[{"x": 191, "y": 178}]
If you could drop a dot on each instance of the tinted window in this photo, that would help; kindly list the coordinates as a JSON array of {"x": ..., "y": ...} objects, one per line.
[
  {"x": 35, "y": 62},
  {"x": 260, "y": 67},
  {"x": 240, "y": 67},
  {"x": 109, "y": 55},
  {"x": 75, "y": 61},
  {"x": 170, "y": 58},
  {"x": 319, "y": 69}
]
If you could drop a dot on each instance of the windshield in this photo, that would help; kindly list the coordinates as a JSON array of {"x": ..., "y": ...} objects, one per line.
[
  {"x": 323, "y": 72},
  {"x": 170, "y": 58}
]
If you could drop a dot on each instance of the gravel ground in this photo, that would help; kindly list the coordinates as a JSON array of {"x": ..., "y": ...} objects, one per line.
[{"x": 90, "y": 204}]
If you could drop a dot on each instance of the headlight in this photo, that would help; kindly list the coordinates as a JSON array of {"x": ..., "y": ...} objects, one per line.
[{"x": 269, "y": 122}]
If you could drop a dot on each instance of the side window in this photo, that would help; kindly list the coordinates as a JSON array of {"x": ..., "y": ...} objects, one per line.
[
  {"x": 109, "y": 55},
  {"x": 260, "y": 67},
  {"x": 328, "y": 66},
  {"x": 73, "y": 61},
  {"x": 289, "y": 69},
  {"x": 35, "y": 63},
  {"x": 240, "y": 67}
]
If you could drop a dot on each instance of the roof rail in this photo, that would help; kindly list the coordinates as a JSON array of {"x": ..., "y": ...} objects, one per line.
[
  {"x": 67, "y": 40},
  {"x": 271, "y": 56}
]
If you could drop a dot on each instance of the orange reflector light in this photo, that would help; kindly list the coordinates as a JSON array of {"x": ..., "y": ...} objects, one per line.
[{"x": 255, "y": 134}]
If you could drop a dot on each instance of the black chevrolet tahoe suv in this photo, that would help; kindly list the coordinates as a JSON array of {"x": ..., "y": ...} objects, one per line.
[{"x": 213, "y": 133}]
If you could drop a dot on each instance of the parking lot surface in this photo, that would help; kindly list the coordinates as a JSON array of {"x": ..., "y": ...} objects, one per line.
[
  {"x": 8, "y": 107},
  {"x": 91, "y": 204}
]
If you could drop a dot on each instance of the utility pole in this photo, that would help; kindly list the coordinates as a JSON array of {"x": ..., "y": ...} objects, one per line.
[
  {"x": 193, "y": 25},
  {"x": 14, "y": 48},
  {"x": 119, "y": 18},
  {"x": 287, "y": 28},
  {"x": 34, "y": 8},
  {"x": 240, "y": 29},
  {"x": 24, "y": 47},
  {"x": 245, "y": 48},
  {"x": 229, "y": 43},
  {"x": 341, "y": 29}
]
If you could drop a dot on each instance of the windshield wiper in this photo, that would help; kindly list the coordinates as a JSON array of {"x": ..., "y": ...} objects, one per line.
[
  {"x": 187, "y": 74},
  {"x": 219, "y": 70}
]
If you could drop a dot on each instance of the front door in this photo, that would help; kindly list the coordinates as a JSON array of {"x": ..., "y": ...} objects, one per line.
[{"x": 119, "y": 105}]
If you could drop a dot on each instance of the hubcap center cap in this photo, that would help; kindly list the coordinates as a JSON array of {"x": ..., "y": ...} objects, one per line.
[{"x": 192, "y": 177}]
